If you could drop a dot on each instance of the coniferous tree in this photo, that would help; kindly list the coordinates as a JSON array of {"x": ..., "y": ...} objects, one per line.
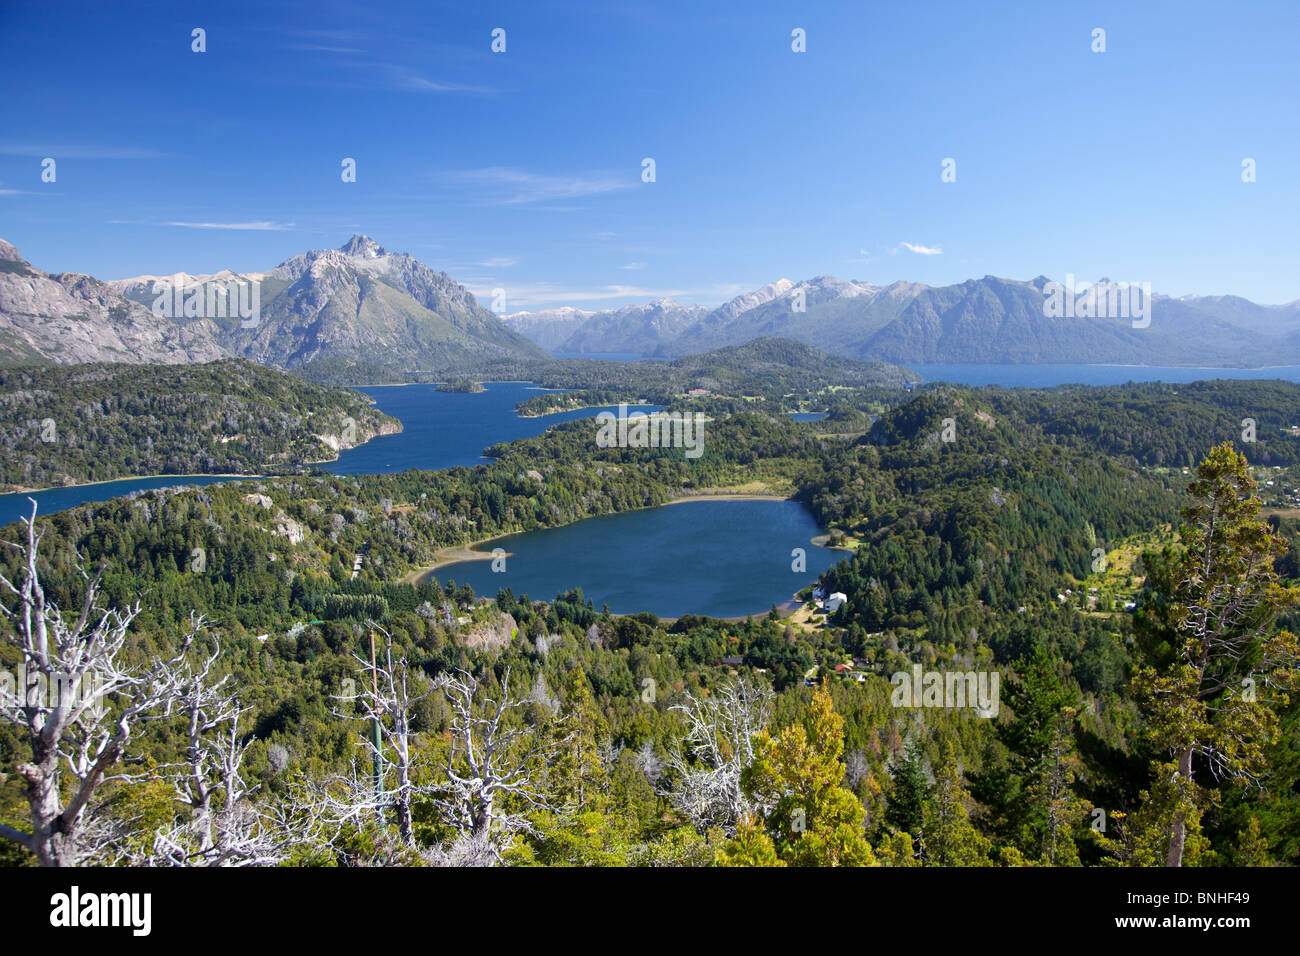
[
  {"x": 1210, "y": 705},
  {"x": 950, "y": 838},
  {"x": 815, "y": 820},
  {"x": 908, "y": 793}
]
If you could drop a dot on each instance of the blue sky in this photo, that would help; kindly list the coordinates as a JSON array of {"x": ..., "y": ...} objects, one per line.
[{"x": 523, "y": 169}]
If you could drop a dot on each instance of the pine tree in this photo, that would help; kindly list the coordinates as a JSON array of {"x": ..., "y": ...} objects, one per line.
[
  {"x": 1042, "y": 763},
  {"x": 950, "y": 839},
  {"x": 1252, "y": 848},
  {"x": 1050, "y": 795},
  {"x": 751, "y": 846},
  {"x": 587, "y": 829},
  {"x": 908, "y": 794},
  {"x": 1220, "y": 598},
  {"x": 815, "y": 821}
]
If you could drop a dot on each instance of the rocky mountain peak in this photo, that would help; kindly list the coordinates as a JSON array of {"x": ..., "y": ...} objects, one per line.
[
  {"x": 362, "y": 247},
  {"x": 7, "y": 251}
]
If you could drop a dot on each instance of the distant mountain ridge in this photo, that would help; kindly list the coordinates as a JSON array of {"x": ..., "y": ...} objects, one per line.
[
  {"x": 361, "y": 313},
  {"x": 358, "y": 304},
  {"x": 990, "y": 320},
  {"x": 65, "y": 318}
]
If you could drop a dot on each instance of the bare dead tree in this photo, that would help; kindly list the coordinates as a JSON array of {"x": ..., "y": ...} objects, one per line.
[
  {"x": 648, "y": 760},
  {"x": 388, "y": 693},
  {"x": 78, "y": 704},
  {"x": 223, "y": 826},
  {"x": 493, "y": 771},
  {"x": 718, "y": 745},
  {"x": 468, "y": 849},
  {"x": 856, "y": 768}
]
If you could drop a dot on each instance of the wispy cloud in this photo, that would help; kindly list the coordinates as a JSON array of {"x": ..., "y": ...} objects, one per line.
[
  {"x": 404, "y": 79},
  {"x": 499, "y": 262},
  {"x": 635, "y": 266},
  {"x": 514, "y": 186},
  {"x": 318, "y": 48},
  {"x": 67, "y": 151},
  {"x": 258, "y": 226},
  {"x": 922, "y": 250},
  {"x": 524, "y": 297}
]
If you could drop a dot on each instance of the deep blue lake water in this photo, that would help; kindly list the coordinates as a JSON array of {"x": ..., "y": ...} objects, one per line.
[
  {"x": 446, "y": 429},
  {"x": 677, "y": 559},
  {"x": 1045, "y": 376},
  {"x": 440, "y": 430}
]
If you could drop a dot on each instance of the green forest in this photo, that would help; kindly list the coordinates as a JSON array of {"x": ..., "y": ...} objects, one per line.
[
  {"x": 71, "y": 424},
  {"x": 985, "y": 532}
]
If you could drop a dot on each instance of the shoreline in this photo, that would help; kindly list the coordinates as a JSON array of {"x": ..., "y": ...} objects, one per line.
[
  {"x": 456, "y": 554},
  {"x": 211, "y": 474},
  {"x": 583, "y": 408},
  {"x": 469, "y": 551},
  {"x": 724, "y": 496},
  {"x": 109, "y": 481}
]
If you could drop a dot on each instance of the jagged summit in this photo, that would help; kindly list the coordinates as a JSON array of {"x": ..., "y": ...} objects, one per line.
[{"x": 362, "y": 247}]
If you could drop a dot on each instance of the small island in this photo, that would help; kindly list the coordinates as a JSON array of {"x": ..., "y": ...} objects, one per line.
[{"x": 463, "y": 385}]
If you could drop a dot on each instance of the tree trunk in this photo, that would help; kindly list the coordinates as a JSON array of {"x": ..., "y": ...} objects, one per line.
[
  {"x": 51, "y": 844},
  {"x": 1178, "y": 833}
]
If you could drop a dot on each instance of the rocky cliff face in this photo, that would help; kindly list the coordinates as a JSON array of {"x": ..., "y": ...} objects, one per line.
[
  {"x": 67, "y": 318},
  {"x": 358, "y": 303},
  {"x": 361, "y": 302},
  {"x": 494, "y": 634}
]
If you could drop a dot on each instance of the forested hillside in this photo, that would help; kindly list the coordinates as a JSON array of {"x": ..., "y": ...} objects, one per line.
[
  {"x": 64, "y": 425},
  {"x": 974, "y": 529},
  {"x": 770, "y": 368}
]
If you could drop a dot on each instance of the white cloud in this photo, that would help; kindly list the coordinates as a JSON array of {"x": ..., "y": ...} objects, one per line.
[
  {"x": 404, "y": 79},
  {"x": 922, "y": 250},
  {"x": 318, "y": 48},
  {"x": 259, "y": 226},
  {"x": 634, "y": 266},
  {"x": 498, "y": 262},
  {"x": 514, "y": 186},
  {"x": 546, "y": 295}
]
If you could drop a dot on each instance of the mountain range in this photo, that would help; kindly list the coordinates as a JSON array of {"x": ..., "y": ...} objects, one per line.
[
  {"x": 357, "y": 304},
  {"x": 361, "y": 313},
  {"x": 989, "y": 320}
]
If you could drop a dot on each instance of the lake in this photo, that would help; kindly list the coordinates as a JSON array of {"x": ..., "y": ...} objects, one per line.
[
  {"x": 1045, "y": 376},
  {"x": 15, "y": 506},
  {"x": 439, "y": 430},
  {"x": 446, "y": 429},
  {"x": 677, "y": 559}
]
